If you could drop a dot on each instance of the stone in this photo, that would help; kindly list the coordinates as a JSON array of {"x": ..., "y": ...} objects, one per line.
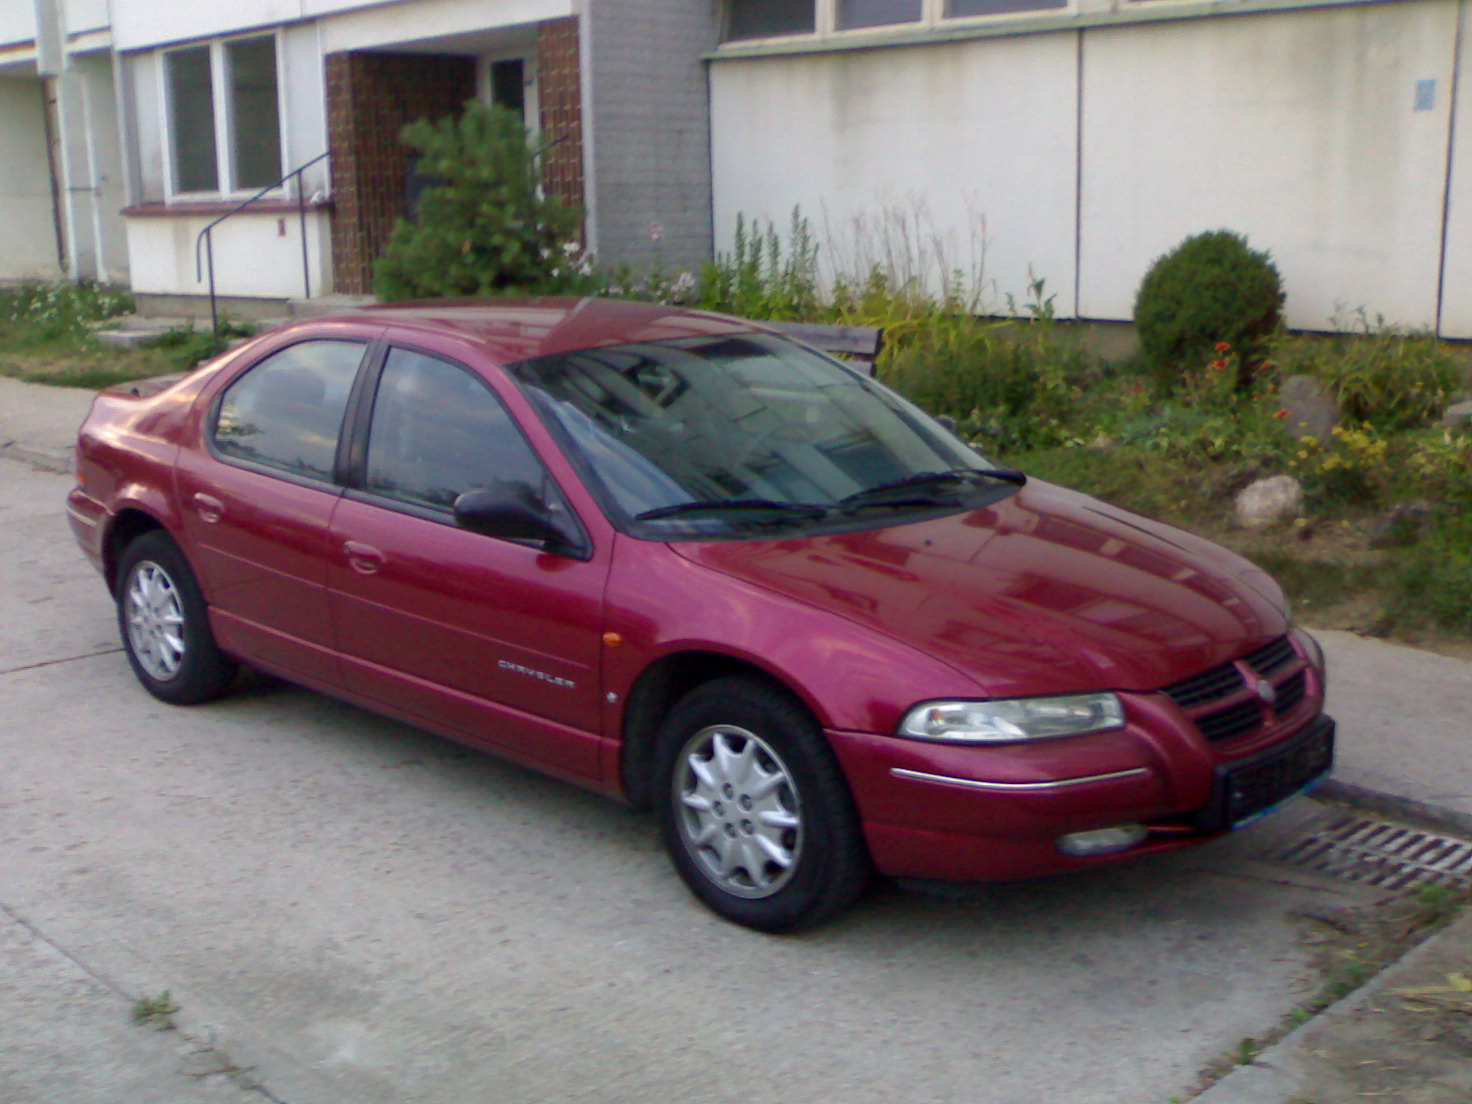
[
  {"x": 1263, "y": 504},
  {"x": 1403, "y": 524},
  {"x": 1312, "y": 411},
  {"x": 1459, "y": 414}
]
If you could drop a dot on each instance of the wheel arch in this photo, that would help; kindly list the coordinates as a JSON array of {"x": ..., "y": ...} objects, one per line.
[
  {"x": 657, "y": 689},
  {"x": 127, "y": 526}
]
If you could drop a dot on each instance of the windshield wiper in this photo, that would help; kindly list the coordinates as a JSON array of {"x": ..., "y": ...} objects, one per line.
[
  {"x": 788, "y": 510},
  {"x": 927, "y": 487}
]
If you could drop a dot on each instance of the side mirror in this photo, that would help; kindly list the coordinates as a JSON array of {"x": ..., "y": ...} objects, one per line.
[{"x": 515, "y": 512}]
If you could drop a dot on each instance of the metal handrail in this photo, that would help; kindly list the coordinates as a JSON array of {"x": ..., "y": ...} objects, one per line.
[{"x": 209, "y": 242}]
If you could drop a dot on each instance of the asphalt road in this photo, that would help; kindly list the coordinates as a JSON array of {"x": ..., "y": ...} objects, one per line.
[{"x": 352, "y": 911}]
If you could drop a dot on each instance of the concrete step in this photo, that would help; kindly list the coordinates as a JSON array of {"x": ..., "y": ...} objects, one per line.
[{"x": 324, "y": 305}]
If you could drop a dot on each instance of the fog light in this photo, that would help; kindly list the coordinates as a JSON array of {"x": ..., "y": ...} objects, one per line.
[{"x": 1101, "y": 841}]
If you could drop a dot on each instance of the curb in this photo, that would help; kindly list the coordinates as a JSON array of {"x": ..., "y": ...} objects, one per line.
[
  {"x": 1267, "y": 1078},
  {"x": 1417, "y": 813}
]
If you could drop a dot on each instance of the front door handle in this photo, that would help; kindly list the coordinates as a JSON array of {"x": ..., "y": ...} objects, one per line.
[
  {"x": 363, "y": 558},
  {"x": 209, "y": 508}
]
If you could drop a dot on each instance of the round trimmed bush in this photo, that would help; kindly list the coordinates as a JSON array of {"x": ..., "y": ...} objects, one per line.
[{"x": 1211, "y": 288}]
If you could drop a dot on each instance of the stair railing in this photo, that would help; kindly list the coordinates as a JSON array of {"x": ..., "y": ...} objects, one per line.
[{"x": 205, "y": 237}]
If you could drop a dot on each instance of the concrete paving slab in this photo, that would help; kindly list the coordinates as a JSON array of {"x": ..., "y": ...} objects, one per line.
[
  {"x": 38, "y": 425},
  {"x": 363, "y": 913},
  {"x": 1405, "y": 728}
]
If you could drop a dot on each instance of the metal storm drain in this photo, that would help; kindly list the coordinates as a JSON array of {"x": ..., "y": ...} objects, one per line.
[{"x": 1373, "y": 852}]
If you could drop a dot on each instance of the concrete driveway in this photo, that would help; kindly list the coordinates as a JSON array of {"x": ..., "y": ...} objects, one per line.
[{"x": 355, "y": 912}]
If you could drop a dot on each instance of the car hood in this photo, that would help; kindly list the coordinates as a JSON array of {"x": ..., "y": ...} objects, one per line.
[{"x": 1046, "y": 591}]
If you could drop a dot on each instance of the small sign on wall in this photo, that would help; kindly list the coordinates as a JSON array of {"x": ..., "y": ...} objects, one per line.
[{"x": 1425, "y": 95}]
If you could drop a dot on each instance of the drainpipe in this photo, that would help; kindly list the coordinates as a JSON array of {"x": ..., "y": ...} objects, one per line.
[{"x": 1454, "y": 93}]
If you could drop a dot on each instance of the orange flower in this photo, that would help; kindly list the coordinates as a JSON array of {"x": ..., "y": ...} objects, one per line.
[
  {"x": 1224, "y": 346},
  {"x": 1218, "y": 365},
  {"x": 1281, "y": 414}
]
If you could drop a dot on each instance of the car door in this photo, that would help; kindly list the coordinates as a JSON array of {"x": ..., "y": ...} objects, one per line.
[
  {"x": 496, "y": 640},
  {"x": 256, "y": 499}
]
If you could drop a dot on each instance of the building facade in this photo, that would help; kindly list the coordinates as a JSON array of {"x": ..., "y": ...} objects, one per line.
[{"x": 1075, "y": 142}]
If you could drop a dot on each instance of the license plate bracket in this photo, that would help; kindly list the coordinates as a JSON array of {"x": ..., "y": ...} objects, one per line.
[{"x": 1245, "y": 791}]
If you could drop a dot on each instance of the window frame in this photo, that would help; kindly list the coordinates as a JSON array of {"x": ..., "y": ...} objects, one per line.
[
  {"x": 933, "y": 17},
  {"x": 333, "y": 481},
  {"x": 358, "y": 432},
  {"x": 224, "y": 118}
]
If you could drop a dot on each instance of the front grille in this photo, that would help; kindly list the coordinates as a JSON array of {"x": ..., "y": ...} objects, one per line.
[
  {"x": 1290, "y": 694},
  {"x": 1217, "y": 700},
  {"x": 1229, "y": 723},
  {"x": 1269, "y": 658},
  {"x": 1219, "y": 682}
]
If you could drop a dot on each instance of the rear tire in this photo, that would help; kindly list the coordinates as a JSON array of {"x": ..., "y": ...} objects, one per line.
[
  {"x": 754, "y": 811},
  {"x": 165, "y": 624}
]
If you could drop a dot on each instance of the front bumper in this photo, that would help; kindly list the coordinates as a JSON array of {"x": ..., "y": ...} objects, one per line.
[{"x": 975, "y": 813}]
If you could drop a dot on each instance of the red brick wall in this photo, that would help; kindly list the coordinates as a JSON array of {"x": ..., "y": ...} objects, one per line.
[
  {"x": 559, "y": 87},
  {"x": 370, "y": 98}
]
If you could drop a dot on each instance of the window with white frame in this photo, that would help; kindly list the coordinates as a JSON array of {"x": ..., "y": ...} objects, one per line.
[
  {"x": 755, "y": 19},
  {"x": 224, "y": 117}
]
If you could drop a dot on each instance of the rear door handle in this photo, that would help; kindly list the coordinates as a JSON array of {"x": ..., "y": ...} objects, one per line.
[
  {"x": 209, "y": 508},
  {"x": 363, "y": 558}
]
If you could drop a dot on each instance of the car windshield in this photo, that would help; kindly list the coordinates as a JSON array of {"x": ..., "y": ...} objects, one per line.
[{"x": 743, "y": 433}]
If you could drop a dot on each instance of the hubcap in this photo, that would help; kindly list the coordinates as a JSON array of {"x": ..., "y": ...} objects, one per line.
[
  {"x": 737, "y": 811},
  {"x": 155, "y": 621}
]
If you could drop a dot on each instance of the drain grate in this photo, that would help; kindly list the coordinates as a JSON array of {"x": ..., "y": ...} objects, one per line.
[{"x": 1374, "y": 852}]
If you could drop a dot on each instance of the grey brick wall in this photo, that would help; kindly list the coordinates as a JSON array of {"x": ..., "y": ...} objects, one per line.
[{"x": 648, "y": 99}]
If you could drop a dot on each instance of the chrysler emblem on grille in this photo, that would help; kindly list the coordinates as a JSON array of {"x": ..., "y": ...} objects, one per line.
[{"x": 1265, "y": 692}]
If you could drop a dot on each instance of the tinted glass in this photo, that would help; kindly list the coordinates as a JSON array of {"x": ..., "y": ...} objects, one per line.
[
  {"x": 286, "y": 412},
  {"x": 742, "y": 417},
  {"x": 876, "y": 13},
  {"x": 192, "y": 116},
  {"x": 956, "y": 9},
  {"x": 768, "y": 18},
  {"x": 438, "y": 432},
  {"x": 256, "y": 157}
]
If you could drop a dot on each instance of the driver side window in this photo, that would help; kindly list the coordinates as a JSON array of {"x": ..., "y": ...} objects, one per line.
[{"x": 438, "y": 431}]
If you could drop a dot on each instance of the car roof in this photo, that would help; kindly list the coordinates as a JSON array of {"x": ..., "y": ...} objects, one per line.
[{"x": 510, "y": 330}]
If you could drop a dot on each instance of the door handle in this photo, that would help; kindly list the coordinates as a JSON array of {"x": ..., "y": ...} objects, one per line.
[
  {"x": 209, "y": 508},
  {"x": 363, "y": 558}
]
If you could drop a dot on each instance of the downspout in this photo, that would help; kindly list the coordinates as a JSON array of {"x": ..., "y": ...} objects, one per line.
[
  {"x": 1451, "y": 150},
  {"x": 99, "y": 246},
  {"x": 590, "y": 124},
  {"x": 48, "y": 123}
]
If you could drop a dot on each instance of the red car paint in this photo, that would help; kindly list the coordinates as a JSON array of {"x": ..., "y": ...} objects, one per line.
[{"x": 539, "y": 657}]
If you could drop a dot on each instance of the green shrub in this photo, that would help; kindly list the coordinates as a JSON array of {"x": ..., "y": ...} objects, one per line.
[
  {"x": 35, "y": 312},
  {"x": 484, "y": 228},
  {"x": 1211, "y": 289},
  {"x": 1436, "y": 574},
  {"x": 1389, "y": 378}
]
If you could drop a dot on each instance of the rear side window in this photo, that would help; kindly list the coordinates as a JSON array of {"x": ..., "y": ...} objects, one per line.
[
  {"x": 286, "y": 412},
  {"x": 438, "y": 431}
]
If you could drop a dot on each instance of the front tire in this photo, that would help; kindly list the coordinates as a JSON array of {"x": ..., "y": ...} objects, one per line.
[
  {"x": 165, "y": 625},
  {"x": 754, "y": 811}
]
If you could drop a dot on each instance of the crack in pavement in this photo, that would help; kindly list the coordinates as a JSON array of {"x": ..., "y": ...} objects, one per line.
[
  {"x": 211, "y": 1060},
  {"x": 57, "y": 662}
]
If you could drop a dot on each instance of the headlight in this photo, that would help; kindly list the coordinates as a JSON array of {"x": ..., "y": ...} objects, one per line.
[{"x": 1009, "y": 722}]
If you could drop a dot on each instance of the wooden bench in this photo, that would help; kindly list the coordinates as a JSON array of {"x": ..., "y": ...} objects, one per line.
[{"x": 860, "y": 345}]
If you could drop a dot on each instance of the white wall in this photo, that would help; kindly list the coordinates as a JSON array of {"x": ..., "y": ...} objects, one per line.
[
  {"x": 17, "y": 22},
  {"x": 979, "y": 134},
  {"x": 28, "y": 240},
  {"x": 1297, "y": 129},
  {"x": 1456, "y": 303},
  {"x": 257, "y": 255},
  {"x": 358, "y": 24}
]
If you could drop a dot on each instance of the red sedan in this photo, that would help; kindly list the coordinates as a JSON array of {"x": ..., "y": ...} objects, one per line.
[{"x": 681, "y": 560}]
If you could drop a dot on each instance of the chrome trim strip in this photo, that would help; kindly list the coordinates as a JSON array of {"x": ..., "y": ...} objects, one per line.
[{"x": 1016, "y": 787}]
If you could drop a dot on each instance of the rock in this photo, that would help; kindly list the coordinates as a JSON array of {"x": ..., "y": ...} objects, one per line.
[
  {"x": 1312, "y": 411},
  {"x": 1459, "y": 414},
  {"x": 1269, "y": 501},
  {"x": 1403, "y": 524}
]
